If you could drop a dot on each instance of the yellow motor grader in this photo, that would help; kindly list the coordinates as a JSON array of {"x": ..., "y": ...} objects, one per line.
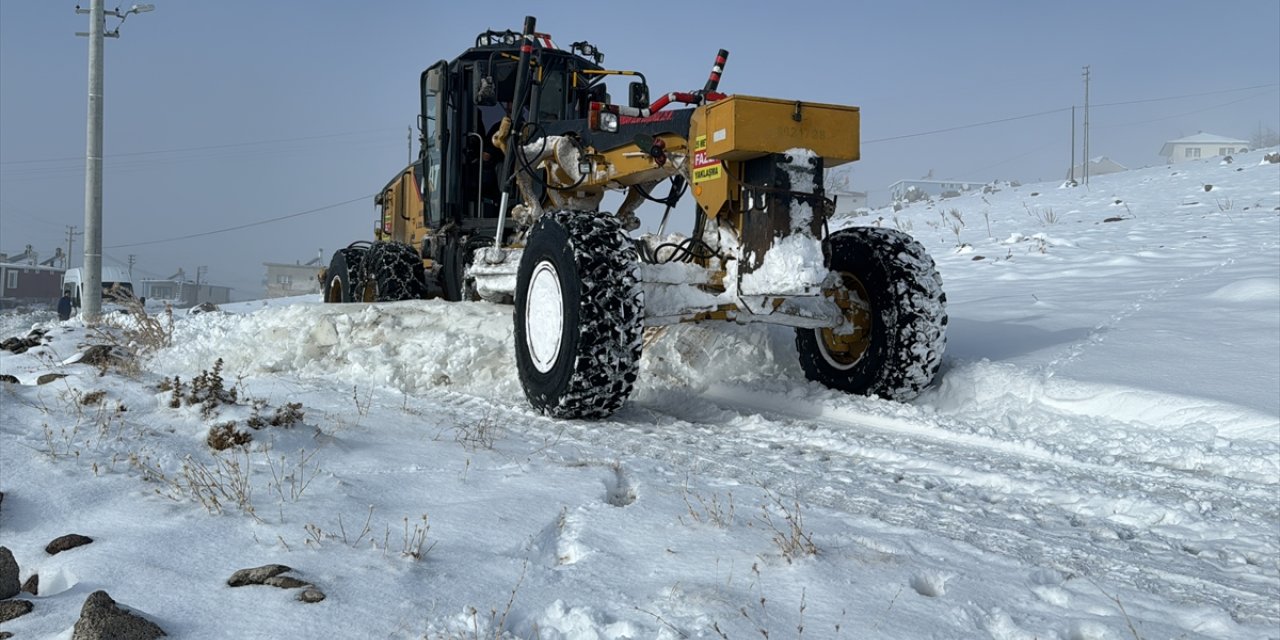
[{"x": 520, "y": 141}]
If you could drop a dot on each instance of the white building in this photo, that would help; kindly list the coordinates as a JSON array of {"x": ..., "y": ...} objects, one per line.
[
  {"x": 1099, "y": 166},
  {"x": 181, "y": 292},
  {"x": 848, "y": 202},
  {"x": 912, "y": 190},
  {"x": 1201, "y": 145},
  {"x": 295, "y": 279}
]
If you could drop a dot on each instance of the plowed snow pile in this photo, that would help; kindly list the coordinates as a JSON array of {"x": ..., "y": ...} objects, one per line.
[{"x": 1099, "y": 458}]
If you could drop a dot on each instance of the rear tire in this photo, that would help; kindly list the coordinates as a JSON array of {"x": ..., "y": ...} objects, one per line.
[
  {"x": 579, "y": 316},
  {"x": 344, "y": 271},
  {"x": 896, "y": 317},
  {"x": 396, "y": 271}
]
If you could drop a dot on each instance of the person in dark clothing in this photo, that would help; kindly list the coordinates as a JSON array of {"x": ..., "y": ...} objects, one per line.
[
  {"x": 64, "y": 306},
  {"x": 483, "y": 160}
]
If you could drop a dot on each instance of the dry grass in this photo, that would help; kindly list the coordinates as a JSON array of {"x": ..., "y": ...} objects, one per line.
[
  {"x": 290, "y": 480},
  {"x": 225, "y": 483},
  {"x": 477, "y": 434},
  {"x": 954, "y": 221},
  {"x": 413, "y": 541},
  {"x": 497, "y": 627},
  {"x": 715, "y": 511},
  {"x": 316, "y": 536},
  {"x": 93, "y": 397},
  {"x": 286, "y": 417},
  {"x": 789, "y": 534},
  {"x": 1046, "y": 216},
  {"x": 135, "y": 332},
  {"x": 225, "y": 435}
]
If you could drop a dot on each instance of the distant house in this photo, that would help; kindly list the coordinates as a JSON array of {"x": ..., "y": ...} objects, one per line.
[
  {"x": 912, "y": 190},
  {"x": 293, "y": 279},
  {"x": 1201, "y": 145},
  {"x": 24, "y": 279},
  {"x": 181, "y": 292},
  {"x": 29, "y": 283},
  {"x": 848, "y": 202},
  {"x": 1098, "y": 166}
]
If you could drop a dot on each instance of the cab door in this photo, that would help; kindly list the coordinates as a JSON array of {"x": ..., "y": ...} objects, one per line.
[{"x": 432, "y": 122}]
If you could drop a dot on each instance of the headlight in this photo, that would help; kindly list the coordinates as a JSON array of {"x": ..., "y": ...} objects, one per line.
[{"x": 609, "y": 122}]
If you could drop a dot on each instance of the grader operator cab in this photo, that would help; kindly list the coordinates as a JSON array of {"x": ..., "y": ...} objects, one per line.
[{"x": 520, "y": 141}]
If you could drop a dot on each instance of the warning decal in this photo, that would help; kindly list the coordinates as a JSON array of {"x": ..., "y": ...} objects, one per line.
[{"x": 704, "y": 168}]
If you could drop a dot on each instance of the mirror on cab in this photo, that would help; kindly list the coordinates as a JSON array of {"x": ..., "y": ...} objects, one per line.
[
  {"x": 639, "y": 95},
  {"x": 485, "y": 94}
]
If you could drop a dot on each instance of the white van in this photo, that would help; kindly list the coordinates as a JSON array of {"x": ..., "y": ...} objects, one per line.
[{"x": 116, "y": 284}]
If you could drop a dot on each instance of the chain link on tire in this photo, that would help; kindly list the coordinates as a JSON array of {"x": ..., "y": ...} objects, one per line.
[
  {"x": 396, "y": 271},
  {"x": 895, "y": 332},
  {"x": 579, "y": 315}
]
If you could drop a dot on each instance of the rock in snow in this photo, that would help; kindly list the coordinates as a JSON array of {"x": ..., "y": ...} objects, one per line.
[{"x": 102, "y": 619}]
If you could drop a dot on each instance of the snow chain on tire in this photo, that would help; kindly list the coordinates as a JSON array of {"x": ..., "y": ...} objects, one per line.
[
  {"x": 396, "y": 270},
  {"x": 899, "y": 330},
  {"x": 579, "y": 331}
]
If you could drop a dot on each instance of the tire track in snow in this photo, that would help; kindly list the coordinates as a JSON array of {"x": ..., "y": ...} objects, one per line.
[
  {"x": 1098, "y": 333},
  {"x": 1045, "y": 510},
  {"x": 1184, "y": 536}
]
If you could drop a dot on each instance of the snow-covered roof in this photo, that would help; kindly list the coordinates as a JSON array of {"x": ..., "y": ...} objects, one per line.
[
  {"x": 314, "y": 264},
  {"x": 1206, "y": 138},
  {"x": 1099, "y": 165},
  {"x": 1201, "y": 138}
]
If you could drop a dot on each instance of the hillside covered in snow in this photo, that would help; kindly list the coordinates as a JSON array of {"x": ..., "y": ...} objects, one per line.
[{"x": 1098, "y": 459}]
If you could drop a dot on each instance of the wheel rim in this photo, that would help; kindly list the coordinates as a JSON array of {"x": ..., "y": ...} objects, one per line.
[
  {"x": 842, "y": 347},
  {"x": 544, "y": 316},
  {"x": 335, "y": 290}
]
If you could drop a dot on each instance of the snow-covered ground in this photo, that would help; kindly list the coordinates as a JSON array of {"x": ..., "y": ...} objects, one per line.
[{"x": 1100, "y": 457}]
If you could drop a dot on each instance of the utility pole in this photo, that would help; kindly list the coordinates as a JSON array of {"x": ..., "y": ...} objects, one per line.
[
  {"x": 71, "y": 236},
  {"x": 133, "y": 259},
  {"x": 1085, "y": 164},
  {"x": 199, "y": 272},
  {"x": 1073, "y": 145},
  {"x": 92, "y": 277}
]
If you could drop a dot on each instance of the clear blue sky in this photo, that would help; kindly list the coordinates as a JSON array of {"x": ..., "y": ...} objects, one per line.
[{"x": 221, "y": 114}]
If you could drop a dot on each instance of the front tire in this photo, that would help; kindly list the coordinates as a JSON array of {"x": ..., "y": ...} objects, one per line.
[
  {"x": 895, "y": 310},
  {"x": 579, "y": 316}
]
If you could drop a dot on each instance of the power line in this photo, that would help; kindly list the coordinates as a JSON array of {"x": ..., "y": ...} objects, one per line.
[
  {"x": 117, "y": 166},
  {"x": 1063, "y": 109},
  {"x": 204, "y": 148},
  {"x": 242, "y": 226},
  {"x": 967, "y": 126},
  {"x": 1185, "y": 113},
  {"x": 1187, "y": 95}
]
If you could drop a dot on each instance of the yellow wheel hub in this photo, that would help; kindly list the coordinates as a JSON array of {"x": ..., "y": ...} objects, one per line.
[
  {"x": 847, "y": 343},
  {"x": 335, "y": 290}
]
